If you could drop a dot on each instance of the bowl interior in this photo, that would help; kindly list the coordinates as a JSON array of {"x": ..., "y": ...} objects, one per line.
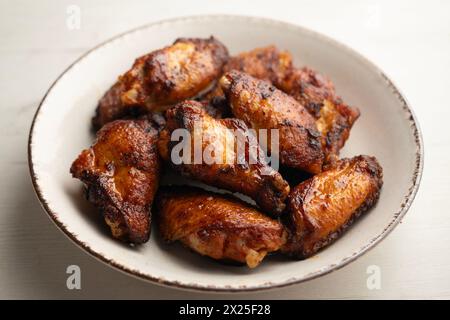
[{"x": 62, "y": 129}]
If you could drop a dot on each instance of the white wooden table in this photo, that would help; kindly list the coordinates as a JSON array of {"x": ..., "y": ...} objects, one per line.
[{"x": 409, "y": 40}]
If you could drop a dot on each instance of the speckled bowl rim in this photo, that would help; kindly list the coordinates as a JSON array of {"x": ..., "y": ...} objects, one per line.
[{"x": 404, "y": 206}]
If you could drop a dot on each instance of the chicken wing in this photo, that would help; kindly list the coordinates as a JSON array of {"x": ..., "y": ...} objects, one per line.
[
  {"x": 163, "y": 78},
  {"x": 121, "y": 172},
  {"x": 219, "y": 226},
  {"x": 321, "y": 208},
  {"x": 227, "y": 167},
  {"x": 261, "y": 106},
  {"x": 266, "y": 63},
  {"x": 309, "y": 88},
  {"x": 316, "y": 93}
]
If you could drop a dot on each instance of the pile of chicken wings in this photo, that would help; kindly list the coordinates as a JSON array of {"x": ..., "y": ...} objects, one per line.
[{"x": 297, "y": 210}]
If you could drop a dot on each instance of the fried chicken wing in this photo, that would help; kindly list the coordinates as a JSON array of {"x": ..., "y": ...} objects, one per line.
[
  {"x": 312, "y": 90},
  {"x": 261, "y": 106},
  {"x": 163, "y": 78},
  {"x": 321, "y": 208},
  {"x": 266, "y": 63},
  {"x": 316, "y": 93},
  {"x": 221, "y": 164},
  {"x": 309, "y": 88},
  {"x": 121, "y": 172},
  {"x": 221, "y": 227}
]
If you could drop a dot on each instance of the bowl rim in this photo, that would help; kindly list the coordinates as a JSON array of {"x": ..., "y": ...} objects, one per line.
[{"x": 397, "y": 216}]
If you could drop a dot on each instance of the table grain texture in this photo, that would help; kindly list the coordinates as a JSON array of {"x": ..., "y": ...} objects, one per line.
[{"x": 409, "y": 40}]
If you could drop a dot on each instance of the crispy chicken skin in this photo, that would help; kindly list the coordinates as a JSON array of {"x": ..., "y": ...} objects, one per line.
[
  {"x": 266, "y": 63},
  {"x": 110, "y": 107},
  {"x": 261, "y": 106},
  {"x": 312, "y": 90},
  {"x": 219, "y": 226},
  {"x": 309, "y": 88},
  {"x": 316, "y": 93},
  {"x": 121, "y": 172},
  {"x": 255, "y": 179},
  {"x": 163, "y": 78},
  {"x": 334, "y": 123},
  {"x": 322, "y": 207}
]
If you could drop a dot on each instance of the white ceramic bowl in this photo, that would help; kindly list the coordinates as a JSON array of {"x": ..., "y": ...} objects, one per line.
[{"x": 386, "y": 129}]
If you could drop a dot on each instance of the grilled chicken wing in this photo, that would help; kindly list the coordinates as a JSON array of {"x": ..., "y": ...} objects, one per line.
[
  {"x": 221, "y": 227},
  {"x": 223, "y": 169},
  {"x": 261, "y": 106},
  {"x": 316, "y": 93},
  {"x": 163, "y": 78},
  {"x": 321, "y": 208},
  {"x": 121, "y": 172}
]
